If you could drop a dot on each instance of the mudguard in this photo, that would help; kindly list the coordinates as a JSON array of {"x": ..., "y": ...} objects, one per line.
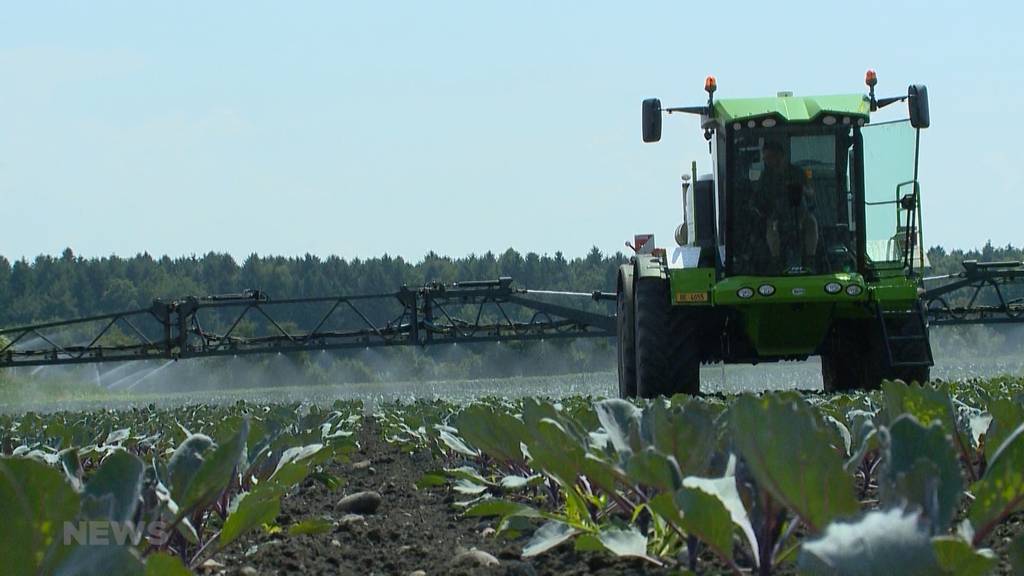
[{"x": 649, "y": 266}]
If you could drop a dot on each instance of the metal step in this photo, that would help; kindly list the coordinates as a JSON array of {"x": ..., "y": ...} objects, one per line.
[{"x": 888, "y": 340}]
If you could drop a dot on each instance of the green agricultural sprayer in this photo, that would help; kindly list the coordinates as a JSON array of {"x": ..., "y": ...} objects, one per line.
[{"x": 806, "y": 240}]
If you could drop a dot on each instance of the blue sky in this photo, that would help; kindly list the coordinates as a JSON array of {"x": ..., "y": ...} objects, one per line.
[{"x": 359, "y": 129}]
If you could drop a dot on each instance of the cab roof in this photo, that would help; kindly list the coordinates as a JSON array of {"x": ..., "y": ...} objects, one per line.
[{"x": 792, "y": 108}]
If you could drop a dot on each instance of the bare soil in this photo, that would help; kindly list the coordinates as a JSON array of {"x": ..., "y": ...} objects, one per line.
[
  {"x": 420, "y": 530},
  {"x": 412, "y": 530}
]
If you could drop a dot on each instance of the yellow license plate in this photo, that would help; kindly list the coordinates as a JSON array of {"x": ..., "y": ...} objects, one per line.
[{"x": 692, "y": 297}]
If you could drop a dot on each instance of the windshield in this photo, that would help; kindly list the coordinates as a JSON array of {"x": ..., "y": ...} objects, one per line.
[{"x": 790, "y": 201}]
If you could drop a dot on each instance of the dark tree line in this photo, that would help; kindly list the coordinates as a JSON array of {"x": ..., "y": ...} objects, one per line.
[{"x": 70, "y": 286}]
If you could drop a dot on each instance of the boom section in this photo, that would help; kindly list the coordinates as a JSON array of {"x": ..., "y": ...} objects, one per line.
[
  {"x": 251, "y": 323},
  {"x": 983, "y": 293}
]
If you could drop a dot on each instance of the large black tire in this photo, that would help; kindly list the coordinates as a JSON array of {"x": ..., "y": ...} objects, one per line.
[
  {"x": 625, "y": 342},
  {"x": 667, "y": 353},
  {"x": 684, "y": 351},
  {"x": 845, "y": 369},
  {"x": 854, "y": 358}
]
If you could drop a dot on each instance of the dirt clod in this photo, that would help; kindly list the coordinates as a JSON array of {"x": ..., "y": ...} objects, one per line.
[
  {"x": 475, "y": 558},
  {"x": 360, "y": 503}
]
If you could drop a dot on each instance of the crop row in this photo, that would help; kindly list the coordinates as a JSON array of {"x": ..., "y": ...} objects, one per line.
[
  {"x": 908, "y": 479},
  {"x": 155, "y": 492}
]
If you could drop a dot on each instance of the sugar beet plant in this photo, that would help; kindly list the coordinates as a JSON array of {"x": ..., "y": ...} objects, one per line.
[
  {"x": 150, "y": 491},
  {"x": 909, "y": 479}
]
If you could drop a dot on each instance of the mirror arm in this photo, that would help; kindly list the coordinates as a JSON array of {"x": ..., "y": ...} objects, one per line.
[
  {"x": 701, "y": 110},
  {"x": 886, "y": 101}
]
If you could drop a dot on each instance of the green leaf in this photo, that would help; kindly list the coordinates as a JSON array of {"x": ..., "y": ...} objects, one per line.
[
  {"x": 215, "y": 473},
  {"x": 186, "y": 461},
  {"x": 163, "y": 564},
  {"x": 261, "y": 506},
  {"x": 690, "y": 434},
  {"x": 515, "y": 482},
  {"x": 1007, "y": 415},
  {"x": 35, "y": 504},
  {"x": 294, "y": 465},
  {"x": 890, "y": 542},
  {"x": 456, "y": 444},
  {"x": 466, "y": 473},
  {"x": 921, "y": 468},
  {"x": 725, "y": 490},
  {"x": 548, "y": 536},
  {"x": 118, "y": 436},
  {"x": 956, "y": 556},
  {"x": 1001, "y": 491},
  {"x": 651, "y": 468},
  {"x": 600, "y": 474},
  {"x": 789, "y": 454},
  {"x": 72, "y": 466},
  {"x": 705, "y": 516},
  {"x": 113, "y": 492},
  {"x": 310, "y": 526},
  {"x": 620, "y": 420},
  {"x": 839, "y": 429},
  {"x": 463, "y": 486},
  {"x": 92, "y": 560},
  {"x": 864, "y": 438},
  {"x": 555, "y": 451},
  {"x": 502, "y": 508},
  {"x": 588, "y": 543},
  {"x": 496, "y": 432},
  {"x": 628, "y": 542},
  {"x": 432, "y": 479},
  {"x": 926, "y": 403},
  {"x": 296, "y": 454}
]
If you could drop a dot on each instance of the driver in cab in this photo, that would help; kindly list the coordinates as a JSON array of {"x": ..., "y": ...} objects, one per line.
[{"x": 786, "y": 197}]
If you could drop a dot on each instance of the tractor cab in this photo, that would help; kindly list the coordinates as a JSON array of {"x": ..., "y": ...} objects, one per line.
[{"x": 807, "y": 186}]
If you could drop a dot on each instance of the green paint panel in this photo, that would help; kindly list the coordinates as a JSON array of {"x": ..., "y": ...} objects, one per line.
[
  {"x": 786, "y": 329},
  {"x": 692, "y": 286},
  {"x": 788, "y": 289},
  {"x": 794, "y": 320},
  {"x": 792, "y": 108},
  {"x": 895, "y": 292}
]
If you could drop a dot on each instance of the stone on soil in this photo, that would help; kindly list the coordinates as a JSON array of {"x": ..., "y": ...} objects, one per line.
[
  {"x": 475, "y": 558},
  {"x": 360, "y": 503}
]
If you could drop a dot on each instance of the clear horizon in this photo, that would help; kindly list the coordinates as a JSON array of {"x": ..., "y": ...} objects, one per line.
[{"x": 456, "y": 128}]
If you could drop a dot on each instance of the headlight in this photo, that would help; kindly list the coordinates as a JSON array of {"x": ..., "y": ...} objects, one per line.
[
  {"x": 745, "y": 293},
  {"x": 854, "y": 290},
  {"x": 833, "y": 287},
  {"x": 766, "y": 289}
]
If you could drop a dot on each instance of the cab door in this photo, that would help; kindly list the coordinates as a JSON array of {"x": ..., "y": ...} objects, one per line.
[{"x": 891, "y": 234}]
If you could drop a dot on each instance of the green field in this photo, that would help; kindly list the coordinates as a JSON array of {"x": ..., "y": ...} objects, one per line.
[{"x": 904, "y": 479}]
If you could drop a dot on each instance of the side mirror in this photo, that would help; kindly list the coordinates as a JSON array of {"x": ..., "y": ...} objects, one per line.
[
  {"x": 917, "y": 101},
  {"x": 652, "y": 120}
]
